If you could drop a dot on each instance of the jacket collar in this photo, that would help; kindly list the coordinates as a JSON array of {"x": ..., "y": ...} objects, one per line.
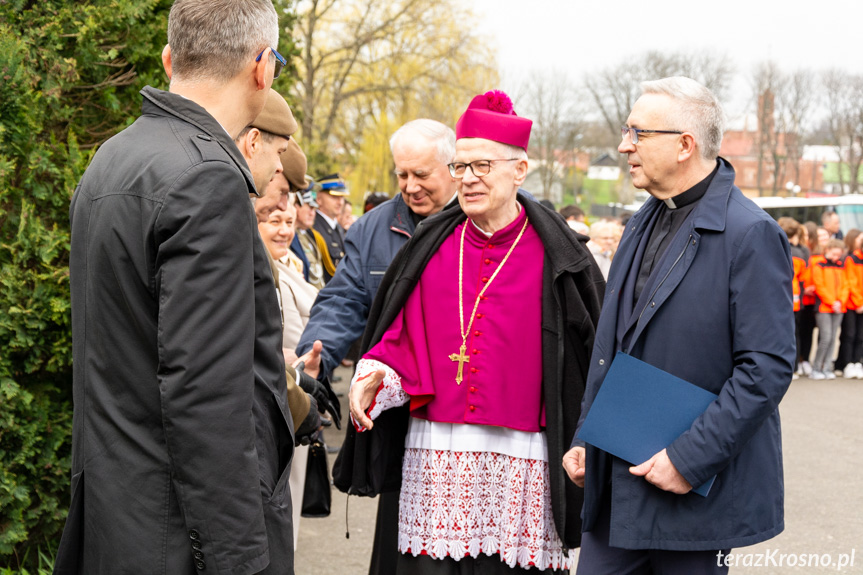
[
  {"x": 566, "y": 251},
  {"x": 712, "y": 209},
  {"x": 403, "y": 221},
  {"x": 164, "y": 103}
]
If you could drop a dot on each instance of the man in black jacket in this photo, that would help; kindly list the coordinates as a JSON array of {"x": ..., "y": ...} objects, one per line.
[{"x": 182, "y": 438}]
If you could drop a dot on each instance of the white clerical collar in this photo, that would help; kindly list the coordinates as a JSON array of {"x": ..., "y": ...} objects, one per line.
[
  {"x": 330, "y": 221},
  {"x": 670, "y": 203},
  {"x": 490, "y": 234}
]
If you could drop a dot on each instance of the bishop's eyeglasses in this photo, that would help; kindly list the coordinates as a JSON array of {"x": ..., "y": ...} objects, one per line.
[
  {"x": 634, "y": 132},
  {"x": 479, "y": 168}
]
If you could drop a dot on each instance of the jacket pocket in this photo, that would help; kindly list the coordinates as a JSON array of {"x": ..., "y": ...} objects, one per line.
[
  {"x": 283, "y": 450},
  {"x": 376, "y": 274}
]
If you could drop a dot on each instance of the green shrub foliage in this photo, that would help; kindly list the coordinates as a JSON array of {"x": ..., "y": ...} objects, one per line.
[{"x": 70, "y": 73}]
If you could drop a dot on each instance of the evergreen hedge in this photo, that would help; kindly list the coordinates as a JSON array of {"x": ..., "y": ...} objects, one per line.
[{"x": 69, "y": 77}]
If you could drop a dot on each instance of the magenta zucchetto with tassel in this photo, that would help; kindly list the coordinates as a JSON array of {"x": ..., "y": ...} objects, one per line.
[{"x": 490, "y": 116}]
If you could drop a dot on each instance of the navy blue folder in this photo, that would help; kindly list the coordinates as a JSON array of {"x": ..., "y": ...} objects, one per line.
[{"x": 640, "y": 410}]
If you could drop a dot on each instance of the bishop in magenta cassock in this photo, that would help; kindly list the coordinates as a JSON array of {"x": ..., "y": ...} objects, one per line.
[{"x": 485, "y": 322}]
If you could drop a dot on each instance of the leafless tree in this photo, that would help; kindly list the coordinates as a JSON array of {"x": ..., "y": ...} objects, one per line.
[
  {"x": 551, "y": 100},
  {"x": 767, "y": 81},
  {"x": 845, "y": 108},
  {"x": 797, "y": 101}
]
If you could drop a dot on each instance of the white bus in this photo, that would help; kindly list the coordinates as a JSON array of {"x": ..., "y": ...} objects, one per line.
[{"x": 849, "y": 208}]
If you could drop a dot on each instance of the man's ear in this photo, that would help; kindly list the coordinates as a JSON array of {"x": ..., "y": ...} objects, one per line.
[
  {"x": 687, "y": 147},
  {"x": 166, "y": 60},
  {"x": 250, "y": 143},
  {"x": 263, "y": 72},
  {"x": 520, "y": 172}
]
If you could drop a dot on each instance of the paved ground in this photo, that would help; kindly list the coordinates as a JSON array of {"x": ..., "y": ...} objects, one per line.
[{"x": 823, "y": 443}]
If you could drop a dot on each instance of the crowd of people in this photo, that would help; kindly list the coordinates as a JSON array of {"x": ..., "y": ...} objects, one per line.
[
  {"x": 206, "y": 332},
  {"x": 828, "y": 295}
]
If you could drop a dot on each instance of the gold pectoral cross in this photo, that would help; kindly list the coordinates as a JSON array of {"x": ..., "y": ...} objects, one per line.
[{"x": 462, "y": 359}]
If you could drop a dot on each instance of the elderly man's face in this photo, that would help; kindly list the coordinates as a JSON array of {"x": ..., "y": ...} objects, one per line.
[
  {"x": 424, "y": 180},
  {"x": 653, "y": 163},
  {"x": 275, "y": 197},
  {"x": 489, "y": 200},
  {"x": 330, "y": 205}
]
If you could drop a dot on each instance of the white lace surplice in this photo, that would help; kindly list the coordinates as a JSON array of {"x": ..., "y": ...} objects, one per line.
[{"x": 471, "y": 489}]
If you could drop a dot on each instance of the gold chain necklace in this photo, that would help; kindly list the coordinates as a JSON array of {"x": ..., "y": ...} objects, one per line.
[{"x": 461, "y": 357}]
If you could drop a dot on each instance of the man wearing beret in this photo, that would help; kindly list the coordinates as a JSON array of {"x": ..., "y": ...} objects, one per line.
[
  {"x": 462, "y": 404},
  {"x": 264, "y": 140}
]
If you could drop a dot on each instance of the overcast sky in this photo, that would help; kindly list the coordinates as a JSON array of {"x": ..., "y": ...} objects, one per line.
[{"x": 578, "y": 36}]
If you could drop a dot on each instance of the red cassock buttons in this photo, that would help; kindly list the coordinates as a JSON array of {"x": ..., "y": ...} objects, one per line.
[
  {"x": 477, "y": 333},
  {"x": 491, "y": 246},
  {"x": 485, "y": 280},
  {"x": 473, "y": 408},
  {"x": 480, "y": 315},
  {"x": 476, "y": 352},
  {"x": 474, "y": 370},
  {"x": 487, "y": 261},
  {"x": 473, "y": 389}
]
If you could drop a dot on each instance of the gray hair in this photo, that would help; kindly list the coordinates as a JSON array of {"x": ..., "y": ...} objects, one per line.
[
  {"x": 699, "y": 111},
  {"x": 432, "y": 131},
  {"x": 216, "y": 39},
  {"x": 514, "y": 152}
]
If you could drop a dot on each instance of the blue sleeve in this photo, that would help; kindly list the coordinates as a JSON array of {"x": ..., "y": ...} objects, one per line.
[
  {"x": 338, "y": 317},
  {"x": 760, "y": 310}
]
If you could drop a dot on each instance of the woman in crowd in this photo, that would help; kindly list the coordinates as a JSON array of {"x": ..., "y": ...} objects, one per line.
[
  {"x": 851, "y": 334},
  {"x": 297, "y": 297}
]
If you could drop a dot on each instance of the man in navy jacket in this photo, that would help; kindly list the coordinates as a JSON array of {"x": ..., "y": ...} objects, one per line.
[{"x": 699, "y": 287}]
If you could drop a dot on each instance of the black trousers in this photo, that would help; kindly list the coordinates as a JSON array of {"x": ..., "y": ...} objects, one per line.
[
  {"x": 597, "y": 557},
  {"x": 850, "y": 339},
  {"x": 807, "y": 326},
  {"x": 385, "y": 547}
]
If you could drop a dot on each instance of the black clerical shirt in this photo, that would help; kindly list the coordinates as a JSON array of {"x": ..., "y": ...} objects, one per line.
[{"x": 671, "y": 216}]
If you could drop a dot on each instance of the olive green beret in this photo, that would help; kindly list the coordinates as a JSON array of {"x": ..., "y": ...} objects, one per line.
[
  {"x": 294, "y": 166},
  {"x": 276, "y": 117}
]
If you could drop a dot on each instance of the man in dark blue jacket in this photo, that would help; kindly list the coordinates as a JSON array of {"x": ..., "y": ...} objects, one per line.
[
  {"x": 700, "y": 288},
  {"x": 421, "y": 150}
]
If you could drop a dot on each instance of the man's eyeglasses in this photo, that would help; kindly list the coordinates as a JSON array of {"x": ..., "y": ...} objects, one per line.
[
  {"x": 479, "y": 168},
  {"x": 634, "y": 132},
  {"x": 280, "y": 61}
]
